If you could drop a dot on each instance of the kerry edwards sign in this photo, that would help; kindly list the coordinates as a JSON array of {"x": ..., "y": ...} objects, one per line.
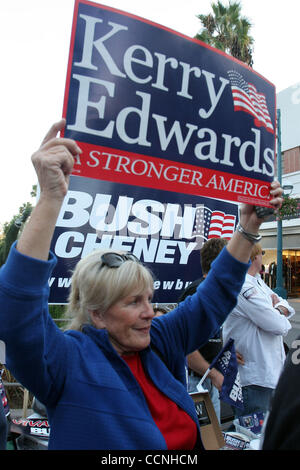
[{"x": 153, "y": 108}]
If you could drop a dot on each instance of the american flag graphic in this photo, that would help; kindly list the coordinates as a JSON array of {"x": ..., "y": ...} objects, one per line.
[
  {"x": 246, "y": 98},
  {"x": 213, "y": 224}
]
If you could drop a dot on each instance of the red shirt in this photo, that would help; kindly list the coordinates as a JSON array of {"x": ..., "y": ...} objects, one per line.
[{"x": 177, "y": 427}]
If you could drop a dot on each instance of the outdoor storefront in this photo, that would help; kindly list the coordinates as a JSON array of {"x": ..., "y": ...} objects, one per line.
[
  {"x": 290, "y": 262},
  {"x": 291, "y": 272}
]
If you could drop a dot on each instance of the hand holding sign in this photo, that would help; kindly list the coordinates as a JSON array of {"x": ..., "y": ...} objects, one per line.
[
  {"x": 249, "y": 218},
  {"x": 54, "y": 162},
  {"x": 247, "y": 233}
]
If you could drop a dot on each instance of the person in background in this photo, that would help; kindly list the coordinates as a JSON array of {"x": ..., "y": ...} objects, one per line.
[
  {"x": 257, "y": 324},
  {"x": 282, "y": 428},
  {"x": 199, "y": 361},
  {"x": 273, "y": 271},
  {"x": 103, "y": 385},
  {"x": 267, "y": 275}
]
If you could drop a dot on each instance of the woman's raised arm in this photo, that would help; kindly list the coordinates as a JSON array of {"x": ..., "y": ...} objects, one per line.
[{"x": 53, "y": 163}]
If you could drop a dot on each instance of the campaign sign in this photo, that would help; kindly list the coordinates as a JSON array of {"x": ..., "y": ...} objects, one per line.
[
  {"x": 153, "y": 108},
  {"x": 169, "y": 128},
  {"x": 163, "y": 230}
]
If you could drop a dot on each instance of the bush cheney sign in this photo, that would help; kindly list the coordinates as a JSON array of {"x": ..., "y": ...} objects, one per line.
[
  {"x": 165, "y": 123},
  {"x": 163, "y": 229}
]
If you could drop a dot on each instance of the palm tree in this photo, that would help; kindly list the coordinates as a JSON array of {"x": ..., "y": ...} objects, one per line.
[{"x": 228, "y": 31}]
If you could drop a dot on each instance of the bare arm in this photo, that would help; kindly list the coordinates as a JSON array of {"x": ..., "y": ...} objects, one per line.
[{"x": 198, "y": 364}]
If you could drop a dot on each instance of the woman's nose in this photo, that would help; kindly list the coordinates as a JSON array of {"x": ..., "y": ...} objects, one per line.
[{"x": 148, "y": 310}]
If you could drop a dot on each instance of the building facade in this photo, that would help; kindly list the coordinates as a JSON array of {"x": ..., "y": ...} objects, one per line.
[{"x": 288, "y": 101}]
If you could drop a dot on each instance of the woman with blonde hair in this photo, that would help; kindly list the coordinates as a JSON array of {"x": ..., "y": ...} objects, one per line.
[
  {"x": 96, "y": 287},
  {"x": 103, "y": 382}
]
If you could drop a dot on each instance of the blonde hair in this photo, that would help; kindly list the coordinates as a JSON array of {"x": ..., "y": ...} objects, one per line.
[
  {"x": 256, "y": 250},
  {"x": 97, "y": 287}
]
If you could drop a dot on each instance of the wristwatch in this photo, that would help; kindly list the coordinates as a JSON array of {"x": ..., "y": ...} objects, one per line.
[{"x": 280, "y": 310}]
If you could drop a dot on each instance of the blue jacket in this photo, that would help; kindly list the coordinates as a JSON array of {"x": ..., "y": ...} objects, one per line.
[{"x": 93, "y": 400}]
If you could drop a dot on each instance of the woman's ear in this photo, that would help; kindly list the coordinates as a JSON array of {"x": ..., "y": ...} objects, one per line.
[{"x": 97, "y": 319}]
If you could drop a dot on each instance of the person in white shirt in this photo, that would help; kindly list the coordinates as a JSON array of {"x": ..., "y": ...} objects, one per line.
[{"x": 257, "y": 324}]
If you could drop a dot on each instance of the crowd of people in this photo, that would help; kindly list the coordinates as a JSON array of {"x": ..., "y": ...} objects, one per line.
[
  {"x": 258, "y": 324},
  {"x": 118, "y": 370}
]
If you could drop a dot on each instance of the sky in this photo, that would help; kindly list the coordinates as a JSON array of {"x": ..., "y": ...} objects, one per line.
[{"x": 34, "y": 45}]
